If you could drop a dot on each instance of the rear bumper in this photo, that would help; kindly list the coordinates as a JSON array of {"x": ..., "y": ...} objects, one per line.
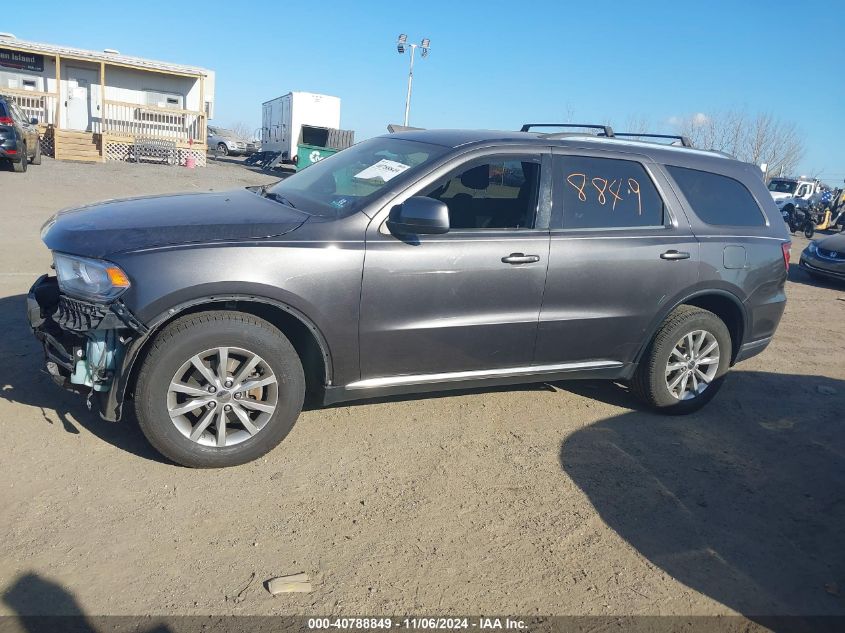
[
  {"x": 752, "y": 349},
  {"x": 11, "y": 153}
]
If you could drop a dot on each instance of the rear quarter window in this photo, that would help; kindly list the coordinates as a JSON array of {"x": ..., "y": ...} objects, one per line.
[
  {"x": 716, "y": 199},
  {"x": 4, "y": 111}
]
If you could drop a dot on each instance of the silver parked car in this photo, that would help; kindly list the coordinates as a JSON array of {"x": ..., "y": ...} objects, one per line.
[{"x": 227, "y": 142}]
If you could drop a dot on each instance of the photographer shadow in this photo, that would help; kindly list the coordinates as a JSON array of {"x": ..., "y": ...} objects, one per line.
[{"x": 743, "y": 501}]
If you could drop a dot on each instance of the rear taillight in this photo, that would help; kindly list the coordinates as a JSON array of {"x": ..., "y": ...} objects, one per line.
[
  {"x": 11, "y": 151},
  {"x": 6, "y": 120},
  {"x": 785, "y": 247}
]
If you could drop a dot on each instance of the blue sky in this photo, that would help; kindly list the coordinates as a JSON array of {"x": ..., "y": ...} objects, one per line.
[{"x": 493, "y": 64}]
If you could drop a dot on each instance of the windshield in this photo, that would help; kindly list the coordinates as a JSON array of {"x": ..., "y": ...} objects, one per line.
[
  {"x": 344, "y": 183},
  {"x": 782, "y": 186}
]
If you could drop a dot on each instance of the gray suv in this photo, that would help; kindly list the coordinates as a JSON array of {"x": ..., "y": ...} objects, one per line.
[{"x": 413, "y": 262}]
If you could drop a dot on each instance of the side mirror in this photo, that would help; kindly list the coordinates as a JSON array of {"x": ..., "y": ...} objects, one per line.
[
  {"x": 419, "y": 216},
  {"x": 34, "y": 121}
]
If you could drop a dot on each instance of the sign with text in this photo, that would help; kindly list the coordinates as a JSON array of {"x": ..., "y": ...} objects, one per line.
[{"x": 22, "y": 61}]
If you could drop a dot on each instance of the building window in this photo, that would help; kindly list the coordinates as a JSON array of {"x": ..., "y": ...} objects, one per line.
[{"x": 163, "y": 99}]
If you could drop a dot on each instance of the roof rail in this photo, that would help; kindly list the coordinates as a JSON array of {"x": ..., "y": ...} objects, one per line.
[
  {"x": 605, "y": 129},
  {"x": 685, "y": 142}
]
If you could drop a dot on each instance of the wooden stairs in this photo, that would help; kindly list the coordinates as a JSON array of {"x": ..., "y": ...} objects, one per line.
[{"x": 77, "y": 146}]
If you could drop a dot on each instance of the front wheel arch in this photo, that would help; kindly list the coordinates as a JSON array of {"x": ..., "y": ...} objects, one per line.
[{"x": 306, "y": 338}]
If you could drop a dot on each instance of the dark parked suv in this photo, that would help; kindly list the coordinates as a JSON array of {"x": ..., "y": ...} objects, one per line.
[
  {"x": 412, "y": 262},
  {"x": 19, "y": 142}
]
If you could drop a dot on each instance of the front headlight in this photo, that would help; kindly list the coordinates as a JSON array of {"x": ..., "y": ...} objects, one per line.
[
  {"x": 91, "y": 279},
  {"x": 812, "y": 248},
  {"x": 779, "y": 202}
]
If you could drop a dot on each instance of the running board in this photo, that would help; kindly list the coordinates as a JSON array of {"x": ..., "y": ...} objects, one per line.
[{"x": 421, "y": 383}]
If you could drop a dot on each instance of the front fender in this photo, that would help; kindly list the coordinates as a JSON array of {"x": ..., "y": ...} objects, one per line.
[{"x": 111, "y": 402}]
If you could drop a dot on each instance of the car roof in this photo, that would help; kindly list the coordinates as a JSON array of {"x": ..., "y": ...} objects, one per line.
[{"x": 656, "y": 151}]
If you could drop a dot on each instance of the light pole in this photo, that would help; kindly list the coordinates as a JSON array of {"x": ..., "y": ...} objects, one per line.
[{"x": 401, "y": 45}]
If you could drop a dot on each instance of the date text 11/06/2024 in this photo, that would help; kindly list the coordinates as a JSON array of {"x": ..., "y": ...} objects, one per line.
[{"x": 421, "y": 623}]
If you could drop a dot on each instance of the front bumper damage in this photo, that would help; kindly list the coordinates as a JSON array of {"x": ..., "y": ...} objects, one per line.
[{"x": 84, "y": 343}]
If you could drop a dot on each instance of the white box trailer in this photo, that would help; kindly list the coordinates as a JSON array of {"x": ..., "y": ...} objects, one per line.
[{"x": 283, "y": 117}]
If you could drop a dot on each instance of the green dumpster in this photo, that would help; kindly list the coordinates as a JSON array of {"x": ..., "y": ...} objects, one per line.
[{"x": 308, "y": 154}]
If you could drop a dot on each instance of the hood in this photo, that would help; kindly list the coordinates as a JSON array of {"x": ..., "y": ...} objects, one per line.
[
  {"x": 834, "y": 242},
  {"x": 779, "y": 195},
  {"x": 117, "y": 226}
]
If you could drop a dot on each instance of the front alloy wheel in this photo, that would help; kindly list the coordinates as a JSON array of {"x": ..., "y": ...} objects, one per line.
[
  {"x": 218, "y": 388},
  {"x": 223, "y": 396}
]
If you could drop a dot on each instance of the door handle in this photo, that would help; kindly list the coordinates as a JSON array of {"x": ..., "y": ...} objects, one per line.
[
  {"x": 520, "y": 258},
  {"x": 673, "y": 254}
]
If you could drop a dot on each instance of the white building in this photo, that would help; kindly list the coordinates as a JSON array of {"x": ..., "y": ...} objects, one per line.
[{"x": 92, "y": 105}]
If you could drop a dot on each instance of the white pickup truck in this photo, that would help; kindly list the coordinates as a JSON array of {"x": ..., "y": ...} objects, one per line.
[{"x": 792, "y": 193}]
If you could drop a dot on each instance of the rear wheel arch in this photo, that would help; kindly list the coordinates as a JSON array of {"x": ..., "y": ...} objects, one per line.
[
  {"x": 306, "y": 338},
  {"x": 724, "y": 304}
]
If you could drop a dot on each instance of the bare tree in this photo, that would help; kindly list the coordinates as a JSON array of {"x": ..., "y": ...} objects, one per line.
[
  {"x": 757, "y": 139},
  {"x": 242, "y": 130}
]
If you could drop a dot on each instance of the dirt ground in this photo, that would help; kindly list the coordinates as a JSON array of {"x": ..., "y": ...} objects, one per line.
[{"x": 547, "y": 499}]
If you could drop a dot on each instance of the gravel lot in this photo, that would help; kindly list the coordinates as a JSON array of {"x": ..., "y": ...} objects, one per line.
[{"x": 547, "y": 499}]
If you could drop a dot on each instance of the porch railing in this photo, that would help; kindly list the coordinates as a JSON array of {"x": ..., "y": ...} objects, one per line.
[
  {"x": 35, "y": 105},
  {"x": 121, "y": 118}
]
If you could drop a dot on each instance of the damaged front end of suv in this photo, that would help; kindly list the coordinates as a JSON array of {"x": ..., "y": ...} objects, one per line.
[{"x": 84, "y": 327}]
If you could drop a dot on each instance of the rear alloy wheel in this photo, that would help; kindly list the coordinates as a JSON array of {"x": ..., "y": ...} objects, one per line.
[
  {"x": 692, "y": 364},
  {"x": 685, "y": 364},
  {"x": 219, "y": 389}
]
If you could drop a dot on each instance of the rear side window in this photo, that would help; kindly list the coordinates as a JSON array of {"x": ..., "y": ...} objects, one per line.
[
  {"x": 716, "y": 199},
  {"x": 3, "y": 110},
  {"x": 606, "y": 193}
]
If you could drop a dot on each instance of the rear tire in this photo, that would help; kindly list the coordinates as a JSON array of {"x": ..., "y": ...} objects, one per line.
[
  {"x": 36, "y": 158},
  {"x": 170, "y": 361},
  {"x": 809, "y": 229},
  {"x": 664, "y": 360},
  {"x": 20, "y": 166}
]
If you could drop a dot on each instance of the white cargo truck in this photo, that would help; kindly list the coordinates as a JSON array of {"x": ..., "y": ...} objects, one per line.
[{"x": 283, "y": 118}]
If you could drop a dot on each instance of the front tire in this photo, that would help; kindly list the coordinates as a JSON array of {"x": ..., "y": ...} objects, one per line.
[
  {"x": 223, "y": 149},
  {"x": 790, "y": 218},
  {"x": 686, "y": 362},
  {"x": 36, "y": 157},
  {"x": 219, "y": 389}
]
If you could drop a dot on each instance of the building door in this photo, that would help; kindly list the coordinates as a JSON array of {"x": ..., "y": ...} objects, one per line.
[{"x": 78, "y": 98}]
